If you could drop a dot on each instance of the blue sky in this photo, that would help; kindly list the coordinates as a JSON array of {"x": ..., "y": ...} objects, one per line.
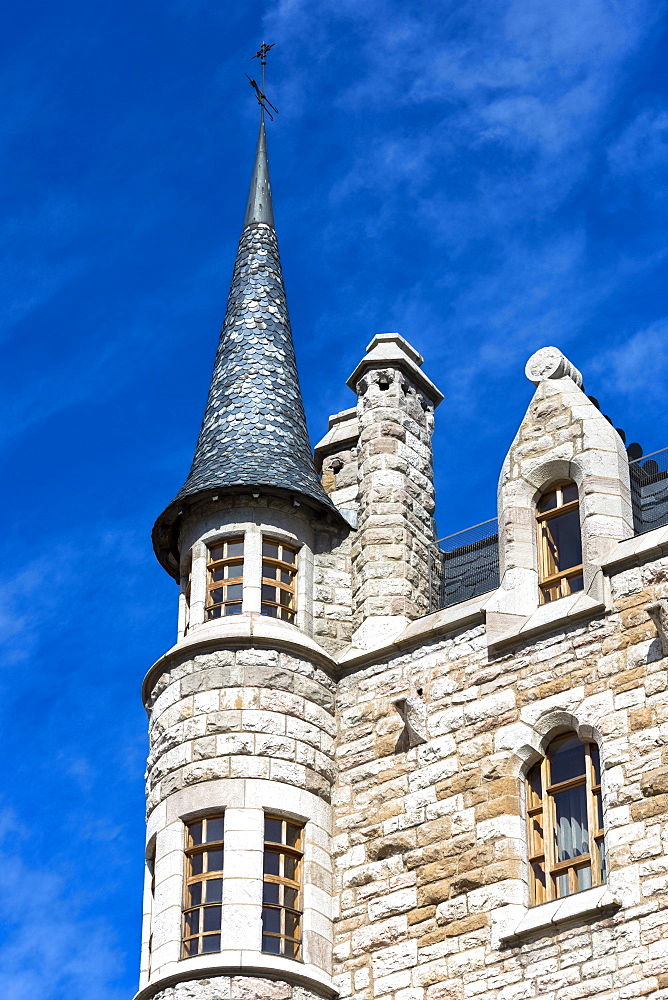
[{"x": 486, "y": 178}]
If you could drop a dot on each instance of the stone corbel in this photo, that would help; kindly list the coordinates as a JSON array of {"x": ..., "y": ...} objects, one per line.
[
  {"x": 658, "y": 612},
  {"x": 413, "y": 711}
]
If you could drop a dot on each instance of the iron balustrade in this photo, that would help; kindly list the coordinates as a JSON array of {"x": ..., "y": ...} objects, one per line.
[{"x": 466, "y": 564}]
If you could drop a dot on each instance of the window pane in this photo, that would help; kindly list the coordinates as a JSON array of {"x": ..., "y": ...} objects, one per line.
[
  {"x": 567, "y": 760},
  {"x": 192, "y": 922},
  {"x": 290, "y": 867},
  {"x": 216, "y": 595},
  {"x": 270, "y": 893},
  {"x": 214, "y": 829},
  {"x": 548, "y": 502},
  {"x": 233, "y": 592},
  {"x": 287, "y": 576},
  {"x": 195, "y": 834},
  {"x": 562, "y": 886},
  {"x": 196, "y": 863},
  {"x": 271, "y": 863},
  {"x": 216, "y": 553},
  {"x": 216, "y": 575},
  {"x": 596, "y": 761},
  {"x": 270, "y": 549},
  {"x": 212, "y": 916},
  {"x": 565, "y": 539},
  {"x": 602, "y": 860},
  {"x": 288, "y": 555},
  {"x": 571, "y": 835},
  {"x": 271, "y": 920},
  {"x": 215, "y": 861},
  {"x": 211, "y": 943},
  {"x": 599, "y": 811},
  {"x": 575, "y": 584},
  {"x": 584, "y": 878},
  {"x": 235, "y": 549},
  {"x": 535, "y": 787},
  {"x": 234, "y": 569},
  {"x": 570, "y": 493},
  {"x": 273, "y": 830},
  {"x": 195, "y": 894},
  {"x": 271, "y": 944},
  {"x": 285, "y": 598},
  {"x": 293, "y": 834},
  {"x": 232, "y": 609},
  {"x": 269, "y": 571},
  {"x": 268, "y": 609},
  {"x": 214, "y": 890},
  {"x": 268, "y": 592},
  {"x": 290, "y": 897},
  {"x": 192, "y": 947},
  {"x": 213, "y": 613},
  {"x": 291, "y": 924}
]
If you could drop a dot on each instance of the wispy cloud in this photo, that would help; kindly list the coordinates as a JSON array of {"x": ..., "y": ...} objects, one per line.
[
  {"x": 523, "y": 94},
  {"x": 638, "y": 365},
  {"x": 50, "y": 948}
]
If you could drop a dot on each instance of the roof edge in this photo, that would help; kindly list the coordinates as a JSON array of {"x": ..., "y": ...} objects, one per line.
[{"x": 165, "y": 534}]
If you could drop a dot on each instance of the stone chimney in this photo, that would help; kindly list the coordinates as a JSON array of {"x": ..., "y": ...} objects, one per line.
[{"x": 390, "y": 552}]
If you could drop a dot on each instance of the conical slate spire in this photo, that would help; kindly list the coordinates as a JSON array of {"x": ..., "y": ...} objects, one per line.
[
  {"x": 259, "y": 208},
  {"x": 254, "y": 429}
]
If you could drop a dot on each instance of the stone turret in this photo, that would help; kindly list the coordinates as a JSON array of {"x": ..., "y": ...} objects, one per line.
[
  {"x": 390, "y": 552},
  {"x": 241, "y": 708}
]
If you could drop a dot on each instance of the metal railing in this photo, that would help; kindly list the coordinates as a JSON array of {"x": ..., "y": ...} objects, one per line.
[
  {"x": 466, "y": 563},
  {"x": 649, "y": 491}
]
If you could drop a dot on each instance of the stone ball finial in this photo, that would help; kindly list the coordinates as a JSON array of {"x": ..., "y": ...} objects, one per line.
[{"x": 549, "y": 362}]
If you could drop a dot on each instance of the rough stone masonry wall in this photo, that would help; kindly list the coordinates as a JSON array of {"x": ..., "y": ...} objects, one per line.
[
  {"x": 430, "y": 842},
  {"x": 336, "y": 456},
  {"x": 249, "y": 713},
  {"x": 396, "y": 498},
  {"x": 236, "y": 988},
  {"x": 332, "y": 591}
]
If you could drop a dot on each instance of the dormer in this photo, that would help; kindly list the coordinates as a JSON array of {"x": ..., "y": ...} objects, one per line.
[{"x": 564, "y": 500}]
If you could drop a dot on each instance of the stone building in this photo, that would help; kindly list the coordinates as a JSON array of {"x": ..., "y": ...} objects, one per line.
[{"x": 385, "y": 769}]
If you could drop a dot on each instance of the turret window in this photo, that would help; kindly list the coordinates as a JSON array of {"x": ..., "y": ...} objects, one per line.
[
  {"x": 559, "y": 542},
  {"x": 224, "y": 573},
  {"x": 281, "y": 901},
  {"x": 202, "y": 910},
  {"x": 565, "y": 819},
  {"x": 279, "y": 573}
]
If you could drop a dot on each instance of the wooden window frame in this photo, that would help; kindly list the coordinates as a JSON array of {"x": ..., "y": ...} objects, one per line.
[
  {"x": 284, "y": 612},
  {"x": 547, "y": 581},
  {"x": 290, "y": 946},
  {"x": 201, "y": 878},
  {"x": 541, "y": 828},
  {"x": 216, "y": 566}
]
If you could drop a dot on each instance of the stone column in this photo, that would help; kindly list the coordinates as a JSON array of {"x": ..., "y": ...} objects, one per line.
[{"x": 390, "y": 553}]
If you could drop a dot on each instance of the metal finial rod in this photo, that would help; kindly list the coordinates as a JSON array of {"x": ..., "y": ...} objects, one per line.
[{"x": 262, "y": 98}]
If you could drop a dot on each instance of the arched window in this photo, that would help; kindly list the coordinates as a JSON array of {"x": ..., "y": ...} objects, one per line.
[
  {"x": 565, "y": 820},
  {"x": 559, "y": 542}
]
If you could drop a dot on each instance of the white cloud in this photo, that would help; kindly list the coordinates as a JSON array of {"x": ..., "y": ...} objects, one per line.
[
  {"x": 638, "y": 366},
  {"x": 49, "y": 947}
]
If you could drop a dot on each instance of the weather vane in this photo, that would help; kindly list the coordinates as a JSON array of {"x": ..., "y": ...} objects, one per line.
[{"x": 262, "y": 98}]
